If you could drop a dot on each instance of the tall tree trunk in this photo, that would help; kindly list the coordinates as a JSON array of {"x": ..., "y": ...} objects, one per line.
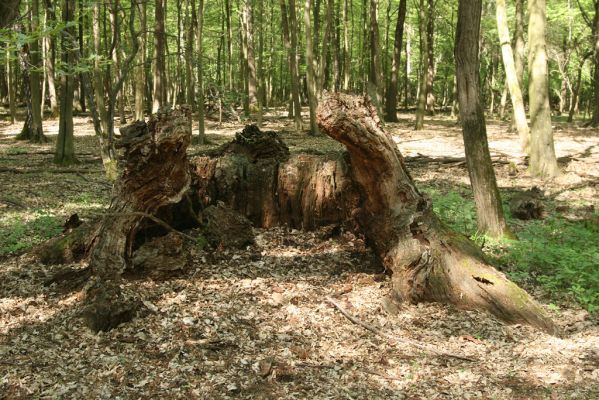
[
  {"x": 290, "y": 38},
  {"x": 542, "y": 152},
  {"x": 310, "y": 68},
  {"x": 375, "y": 75},
  {"x": 191, "y": 21},
  {"x": 430, "y": 50},
  {"x": 12, "y": 93},
  {"x": 200, "y": 83},
  {"x": 428, "y": 261},
  {"x": 421, "y": 106},
  {"x": 519, "y": 48},
  {"x": 253, "y": 90},
  {"x": 33, "y": 129},
  {"x": 576, "y": 89},
  {"x": 324, "y": 57},
  {"x": 489, "y": 210},
  {"x": 140, "y": 70},
  {"x": 159, "y": 91},
  {"x": 346, "y": 46},
  {"x": 115, "y": 21},
  {"x": 595, "y": 30},
  {"x": 80, "y": 23},
  {"x": 229, "y": 45},
  {"x": 408, "y": 69},
  {"x": 511, "y": 76},
  {"x": 393, "y": 82},
  {"x": 51, "y": 58},
  {"x": 65, "y": 148},
  {"x": 98, "y": 71}
]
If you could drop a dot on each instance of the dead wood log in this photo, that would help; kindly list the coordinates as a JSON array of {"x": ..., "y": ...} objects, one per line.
[
  {"x": 429, "y": 261},
  {"x": 155, "y": 175},
  {"x": 256, "y": 176}
]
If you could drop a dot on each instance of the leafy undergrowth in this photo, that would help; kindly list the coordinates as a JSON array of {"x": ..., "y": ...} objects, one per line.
[
  {"x": 559, "y": 254},
  {"x": 19, "y": 232}
]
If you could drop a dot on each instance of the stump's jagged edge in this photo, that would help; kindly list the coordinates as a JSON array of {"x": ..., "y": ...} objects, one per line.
[{"x": 429, "y": 261}]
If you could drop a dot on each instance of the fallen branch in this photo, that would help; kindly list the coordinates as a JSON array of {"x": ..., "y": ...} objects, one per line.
[{"x": 394, "y": 341}]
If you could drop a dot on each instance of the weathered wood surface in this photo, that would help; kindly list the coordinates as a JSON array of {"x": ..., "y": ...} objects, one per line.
[
  {"x": 429, "y": 262},
  {"x": 256, "y": 176}
]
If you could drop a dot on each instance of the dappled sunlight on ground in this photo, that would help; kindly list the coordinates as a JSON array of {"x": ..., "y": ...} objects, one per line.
[{"x": 255, "y": 323}]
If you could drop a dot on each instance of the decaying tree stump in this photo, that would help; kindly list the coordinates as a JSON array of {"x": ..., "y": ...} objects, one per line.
[
  {"x": 156, "y": 174},
  {"x": 428, "y": 261},
  {"x": 256, "y": 176}
]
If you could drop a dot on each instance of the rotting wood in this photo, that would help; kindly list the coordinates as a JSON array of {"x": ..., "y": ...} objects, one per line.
[{"x": 428, "y": 261}]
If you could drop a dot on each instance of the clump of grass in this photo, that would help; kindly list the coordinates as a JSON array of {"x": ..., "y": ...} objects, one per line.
[{"x": 560, "y": 255}]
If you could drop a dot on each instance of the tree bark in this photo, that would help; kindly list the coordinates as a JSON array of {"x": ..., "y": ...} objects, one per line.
[
  {"x": 140, "y": 71},
  {"x": 576, "y": 88},
  {"x": 33, "y": 129},
  {"x": 159, "y": 91},
  {"x": 65, "y": 147},
  {"x": 430, "y": 53},
  {"x": 50, "y": 59},
  {"x": 200, "y": 83},
  {"x": 512, "y": 76},
  {"x": 290, "y": 38},
  {"x": 542, "y": 152},
  {"x": 375, "y": 75},
  {"x": 393, "y": 82},
  {"x": 156, "y": 149},
  {"x": 429, "y": 262},
  {"x": 421, "y": 106},
  {"x": 310, "y": 68},
  {"x": 595, "y": 30},
  {"x": 489, "y": 210}
]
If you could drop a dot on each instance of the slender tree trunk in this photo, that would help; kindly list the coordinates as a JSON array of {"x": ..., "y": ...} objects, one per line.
[
  {"x": 421, "y": 107},
  {"x": 323, "y": 64},
  {"x": 511, "y": 76},
  {"x": 253, "y": 90},
  {"x": 542, "y": 152},
  {"x": 489, "y": 210},
  {"x": 408, "y": 69},
  {"x": 595, "y": 29},
  {"x": 140, "y": 70},
  {"x": 189, "y": 78},
  {"x": 393, "y": 82},
  {"x": 430, "y": 49},
  {"x": 576, "y": 89},
  {"x": 310, "y": 68},
  {"x": 375, "y": 83},
  {"x": 50, "y": 59},
  {"x": 290, "y": 38},
  {"x": 32, "y": 128},
  {"x": 159, "y": 91},
  {"x": 12, "y": 93},
  {"x": 200, "y": 83},
  {"x": 229, "y": 45},
  {"x": 346, "y": 46},
  {"x": 81, "y": 23},
  {"x": 98, "y": 73},
  {"x": 65, "y": 148}
]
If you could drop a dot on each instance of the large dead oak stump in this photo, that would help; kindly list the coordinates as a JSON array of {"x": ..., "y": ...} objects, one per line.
[{"x": 429, "y": 261}]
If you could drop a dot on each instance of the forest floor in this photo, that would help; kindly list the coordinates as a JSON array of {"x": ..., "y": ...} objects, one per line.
[{"x": 255, "y": 323}]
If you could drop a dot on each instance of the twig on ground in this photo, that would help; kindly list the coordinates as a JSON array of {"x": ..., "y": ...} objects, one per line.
[{"x": 392, "y": 340}]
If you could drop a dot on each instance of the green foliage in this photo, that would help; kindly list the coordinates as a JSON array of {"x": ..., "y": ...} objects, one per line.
[
  {"x": 18, "y": 234},
  {"x": 560, "y": 255}
]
